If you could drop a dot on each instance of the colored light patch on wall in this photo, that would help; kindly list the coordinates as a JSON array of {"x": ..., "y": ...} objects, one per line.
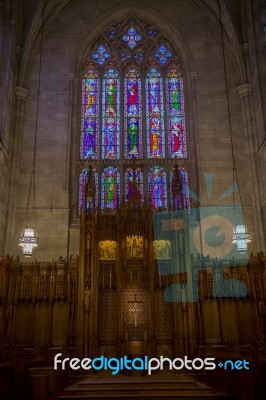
[{"x": 133, "y": 115}]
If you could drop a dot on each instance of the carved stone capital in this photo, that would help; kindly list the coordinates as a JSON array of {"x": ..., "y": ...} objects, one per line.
[
  {"x": 244, "y": 90},
  {"x": 21, "y": 93},
  {"x": 71, "y": 76}
]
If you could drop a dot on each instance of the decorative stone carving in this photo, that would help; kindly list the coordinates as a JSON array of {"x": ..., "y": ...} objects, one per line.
[
  {"x": 107, "y": 249},
  {"x": 134, "y": 246}
]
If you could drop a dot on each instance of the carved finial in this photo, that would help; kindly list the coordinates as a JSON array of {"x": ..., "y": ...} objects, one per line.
[{"x": 177, "y": 188}]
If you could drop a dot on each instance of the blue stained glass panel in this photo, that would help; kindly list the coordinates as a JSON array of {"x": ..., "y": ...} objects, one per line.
[
  {"x": 132, "y": 37},
  {"x": 157, "y": 187},
  {"x": 90, "y": 116},
  {"x": 152, "y": 33},
  {"x": 101, "y": 55},
  {"x": 124, "y": 56},
  {"x": 139, "y": 56},
  {"x": 111, "y": 34},
  {"x": 163, "y": 54}
]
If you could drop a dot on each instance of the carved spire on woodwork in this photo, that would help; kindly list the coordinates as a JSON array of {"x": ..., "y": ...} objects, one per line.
[
  {"x": 134, "y": 194},
  {"x": 177, "y": 189},
  {"x": 89, "y": 190}
]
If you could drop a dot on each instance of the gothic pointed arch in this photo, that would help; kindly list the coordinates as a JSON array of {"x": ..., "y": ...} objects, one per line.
[{"x": 133, "y": 121}]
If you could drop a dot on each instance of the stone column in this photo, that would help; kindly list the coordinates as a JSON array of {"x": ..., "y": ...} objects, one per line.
[
  {"x": 21, "y": 95},
  {"x": 81, "y": 287},
  {"x": 70, "y": 106},
  {"x": 196, "y": 178},
  {"x": 244, "y": 93}
]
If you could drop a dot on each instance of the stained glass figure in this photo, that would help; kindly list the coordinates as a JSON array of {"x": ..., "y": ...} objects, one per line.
[
  {"x": 134, "y": 193},
  {"x": 110, "y": 188},
  {"x": 163, "y": 54},
  {"x": 133, "y": 114},
  {"x": 157, "y": 187},
  {"x": 110, "y": 115},
  {"x": 178, "y": 198},
  {"x": 90, "y": 116},
  {"x": 101, "y": 55},
  {"x": 132, "y": 38},
  {"x": 90, "y": 202},
  {"x": 175, "y": 115},
  {"x": 155, "y": 115}
]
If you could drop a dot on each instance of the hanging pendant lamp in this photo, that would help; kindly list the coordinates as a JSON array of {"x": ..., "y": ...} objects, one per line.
[
  {"x": 29, "y": 238},
  {"x": 240, "y": 236}
]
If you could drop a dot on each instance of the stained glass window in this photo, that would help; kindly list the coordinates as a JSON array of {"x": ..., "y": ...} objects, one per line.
[
  {"x": 101, "y": 55},
  {"x": 83, "y": 180},
  {"x": 132, "y": 37},
  {"x": 157, "y": 187},
  {"x": 175, "y": 115},
  {"x": 131, "y": 72},
  {"x": 134, "y": 186},
  {"x": 110, "y": 115},
  {"x": 133, "y": 114},
  {"x": 163, "y": 54},
  {"x": 176, "y": 201},
  {"x": 90, "y": 116},
  {"x": 110, "y": 186},
  {"x": 155, "y": 115}
]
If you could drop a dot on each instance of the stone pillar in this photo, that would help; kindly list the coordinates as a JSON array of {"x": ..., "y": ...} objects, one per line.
[
  {"x": 81, "y": 286},
  {"x": 196, "y": 178},
  {"x": 21, "y": 95},
  {"x": 244, "y": 93},
  {"x": 70, "y": 99}
]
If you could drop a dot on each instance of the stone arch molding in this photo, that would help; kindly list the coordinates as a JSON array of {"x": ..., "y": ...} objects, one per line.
[
  {"x": 208, "y": 8},
  {"x": 174, "y": 36}
]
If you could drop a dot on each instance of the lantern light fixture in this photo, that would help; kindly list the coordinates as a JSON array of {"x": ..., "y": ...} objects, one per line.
[
  {"x": 29, "y": 238},
  {"x": 240, "y": 236}
]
